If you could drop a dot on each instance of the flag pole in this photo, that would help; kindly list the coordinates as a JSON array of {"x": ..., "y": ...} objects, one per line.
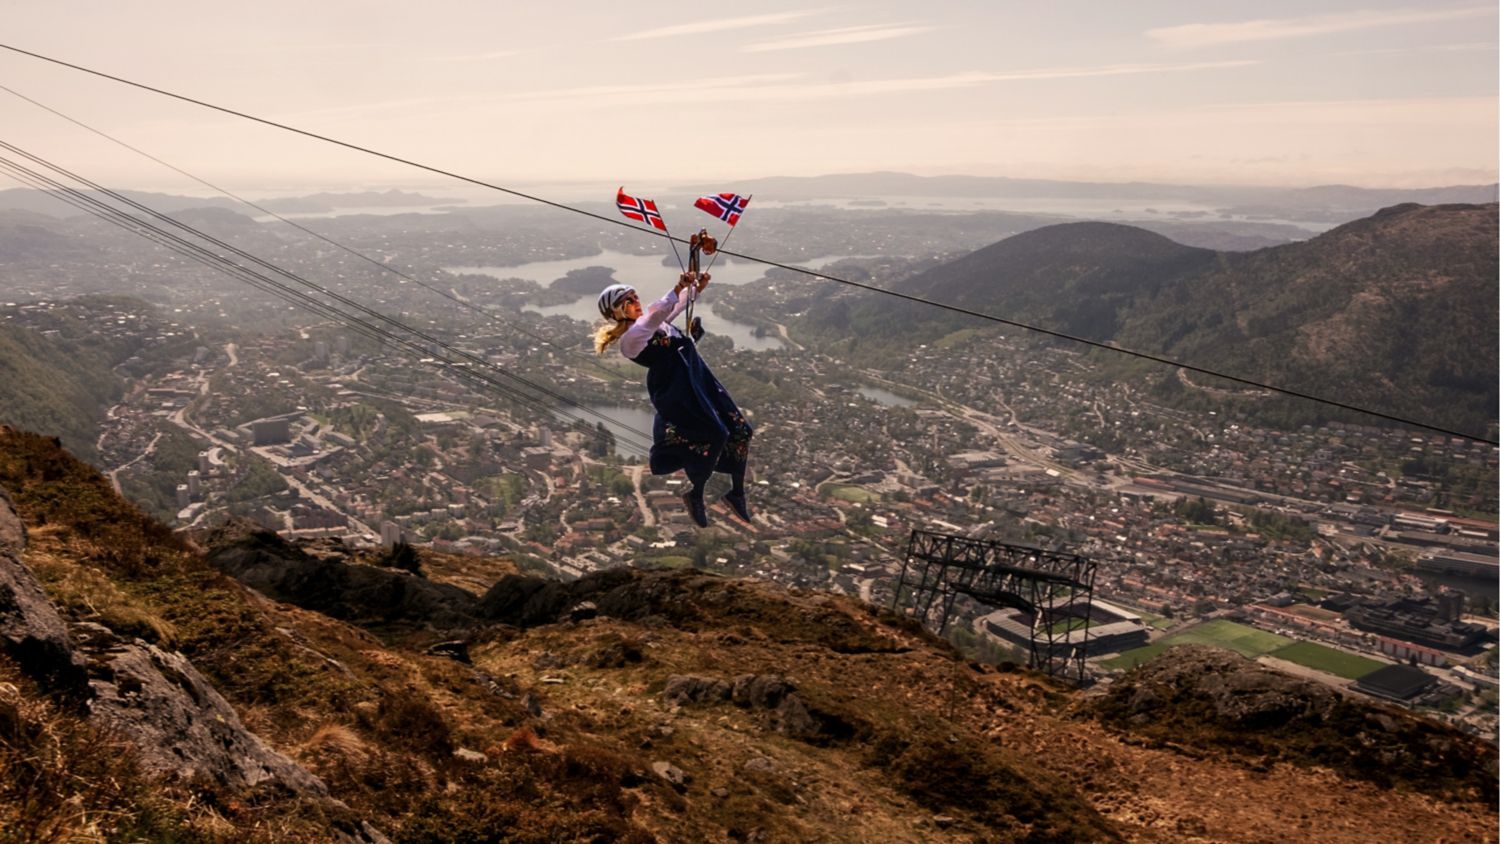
[
  {"x": 681, "y": 267},
  {"x": 715, "y": 256},
  {"x": 643, "y": 214},
  {"x": 692, "y": 266}
]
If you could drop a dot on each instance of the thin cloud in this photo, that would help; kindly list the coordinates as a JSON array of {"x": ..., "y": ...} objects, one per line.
[
  {"x": 716, "y": 25},
  {"x": 403, "y": 105},
  {"x": 1272, "y": 29},
  {"x": 1455, "y": 110},
  {"x": 1416, "y": 111},
  {"x": 476, "y": 57},
  {"x": 1469, "y": 47},
  {"x": 1114, "y": 70},
  {"x": 314, "y": 49},
  {"x": 647, "y": 92},
  {"x": 831, "y": 37},
  {"x": 788, "y": 88}
]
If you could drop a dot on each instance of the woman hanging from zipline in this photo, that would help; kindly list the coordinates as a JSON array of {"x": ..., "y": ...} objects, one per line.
[{"x": 698, "y": 428}]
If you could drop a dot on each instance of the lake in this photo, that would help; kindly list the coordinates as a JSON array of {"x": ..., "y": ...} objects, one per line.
[
  {"x": 586, "y": 311},
  {"x": 647, "y": 272},
  {"x": 621, "y": 419},
  {"x": 885, "y": 397},
  {"x": 652, "y": 278}
]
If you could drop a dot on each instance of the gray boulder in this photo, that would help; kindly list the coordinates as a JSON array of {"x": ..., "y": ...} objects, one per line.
[
  {"x": 683, "y": 689},
  {"x": 527, "y": 601},
  {"x": 31, "y": 631},
  {"x": 762, "y": 691},
  {"x": 183, "y": 727},
  {"x": 673, "y": 775},
  {"x": 1231, "y": 689},
  {"x": 12, "y": 530}
]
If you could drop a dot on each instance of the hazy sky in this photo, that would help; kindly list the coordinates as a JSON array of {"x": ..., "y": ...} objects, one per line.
[{"x": 643, "y": 93}]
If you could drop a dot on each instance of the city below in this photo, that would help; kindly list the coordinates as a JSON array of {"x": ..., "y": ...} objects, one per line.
[{"x": 1311, "y": 549}]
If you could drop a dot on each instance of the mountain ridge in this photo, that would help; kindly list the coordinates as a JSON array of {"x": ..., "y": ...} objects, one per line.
[
  {"x": 1402, "y": 289},
  {"x": 907, "y": 184}
]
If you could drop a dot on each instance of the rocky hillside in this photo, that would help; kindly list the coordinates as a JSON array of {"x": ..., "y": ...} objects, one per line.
[
  {"x": 1395, "y": 311},
  {"x": 251, "y": 689}
]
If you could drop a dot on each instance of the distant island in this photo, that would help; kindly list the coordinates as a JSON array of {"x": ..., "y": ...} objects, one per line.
[
  {"x": 1324, "y": 204},
  {"x": 319, "y": 202},
  {"x": 584, "y": 280}
]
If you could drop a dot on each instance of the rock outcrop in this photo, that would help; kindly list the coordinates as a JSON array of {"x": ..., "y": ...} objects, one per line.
[
  {"x": 1225, "y": 688},
  {"x": 361, "y": 594},
  {"x": 180, "y": 726},
  {"x": 1204, "y": 697},
  {"x": 768, "y": 693},
  {"x": 12, "y": 530},
  {"x": 31, "y": 630}
]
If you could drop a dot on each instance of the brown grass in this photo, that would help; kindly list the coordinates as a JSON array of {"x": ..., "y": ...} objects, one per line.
[
  {"x": 88, "y": 594},
  {"x": 338, "y": 741},
  {"x": 63, "y": 779}
]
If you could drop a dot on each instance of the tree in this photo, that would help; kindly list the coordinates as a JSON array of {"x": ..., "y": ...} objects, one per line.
[
  {"x": 1196, "y": 511},
  {"x": 403, "y": 556},
  {"x": 603, "y": 442}
]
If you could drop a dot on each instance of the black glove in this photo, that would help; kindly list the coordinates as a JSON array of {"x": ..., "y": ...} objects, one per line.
[{"x": 695, "y": 329}]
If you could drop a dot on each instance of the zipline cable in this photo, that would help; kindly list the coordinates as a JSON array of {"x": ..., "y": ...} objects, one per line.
[
  {"x": 944, "y": 306},
  {"x": 135, "y": 225},
  {"x": 217, "y": 262},
  {"x": 471, "y": 358},
  {"x": 328, "y": 240},
  {"x": 459, "y": 368}
]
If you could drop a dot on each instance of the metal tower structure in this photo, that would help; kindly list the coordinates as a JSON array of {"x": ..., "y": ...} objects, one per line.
[{"x": 1054, "y": 592}]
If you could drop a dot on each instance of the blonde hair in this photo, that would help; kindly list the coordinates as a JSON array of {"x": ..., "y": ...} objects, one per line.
[{"x": 606, "y": 333}]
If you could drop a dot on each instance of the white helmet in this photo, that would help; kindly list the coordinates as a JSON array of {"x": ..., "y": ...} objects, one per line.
[{"x": 611, "y": 298}]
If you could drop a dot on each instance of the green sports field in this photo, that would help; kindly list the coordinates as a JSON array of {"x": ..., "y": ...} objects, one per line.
[
  {"x": 1220, "y": 633},
  {"x": 850, "y": 492},
  {"x": 1323, "y": 658}
]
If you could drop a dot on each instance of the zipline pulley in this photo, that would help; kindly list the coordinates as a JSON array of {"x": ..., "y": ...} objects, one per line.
[{"x": 701, "y": 243}]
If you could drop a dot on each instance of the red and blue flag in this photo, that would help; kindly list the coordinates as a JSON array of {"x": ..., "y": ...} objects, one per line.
[
  {"x": 726, "y": 206},
  {"x": 641, "y": 210}
]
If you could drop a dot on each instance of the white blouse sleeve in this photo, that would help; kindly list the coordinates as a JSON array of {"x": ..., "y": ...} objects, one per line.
[{"x": 662, "y": 311}]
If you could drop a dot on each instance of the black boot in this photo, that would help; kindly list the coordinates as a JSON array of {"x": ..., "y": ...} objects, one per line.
[
  {"x": 693, "y": 500},
  {"x": 735, "y": 498}
]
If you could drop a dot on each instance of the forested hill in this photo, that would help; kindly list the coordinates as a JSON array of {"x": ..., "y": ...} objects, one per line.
[
  {"x": 1395, "y": 311},
  {"x": 62, "y": 364},
  {"x": 55, "y": 387}
]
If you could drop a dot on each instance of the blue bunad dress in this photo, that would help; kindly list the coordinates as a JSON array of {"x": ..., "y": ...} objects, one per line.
[{"x": 698, "y": 428}]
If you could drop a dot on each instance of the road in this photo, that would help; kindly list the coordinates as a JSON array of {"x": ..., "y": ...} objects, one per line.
[
  {"x": 114, "y": 474},
  {"x": 1182, "y": 376},
  {"x": 307, "y": 492},
  {"x": 647, "y": 517},
  {"x": 179, "y": 418},
  {"x": 993, "y": 426},
  {"x": 787, "y": 338}
]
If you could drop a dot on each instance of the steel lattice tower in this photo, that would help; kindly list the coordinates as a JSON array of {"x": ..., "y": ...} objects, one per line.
[{"x": 1055, "y": 590}]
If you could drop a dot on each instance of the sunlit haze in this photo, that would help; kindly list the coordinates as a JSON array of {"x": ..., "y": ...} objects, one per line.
[{"x": 1395, "y": 94}]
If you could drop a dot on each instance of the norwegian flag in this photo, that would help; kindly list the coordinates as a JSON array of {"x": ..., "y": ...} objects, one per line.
[
  {"x": 642, "y": 210},
  {"x": 726, "y": 206}
]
